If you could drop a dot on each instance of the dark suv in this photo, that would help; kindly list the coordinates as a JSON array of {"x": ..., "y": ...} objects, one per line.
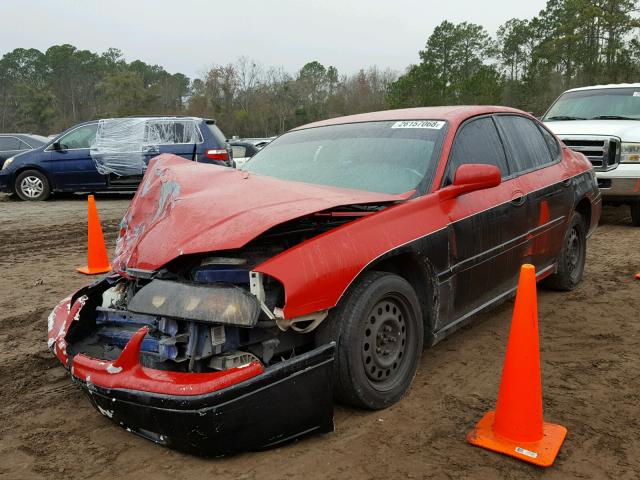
[
  {"x": 12, "y": 144},
  {"x": 110, "y": 154}
]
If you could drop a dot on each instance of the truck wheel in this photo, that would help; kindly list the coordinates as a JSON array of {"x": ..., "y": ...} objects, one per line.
[
  {"x": 572, "y": 256},
  {"x": 32, "y": 185},
  {"x": 378, "y": 332},
  {"x": 635, "y": 214}
]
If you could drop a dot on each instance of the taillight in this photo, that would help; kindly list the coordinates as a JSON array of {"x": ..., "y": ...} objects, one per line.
[{"x": 217, "y": 155}]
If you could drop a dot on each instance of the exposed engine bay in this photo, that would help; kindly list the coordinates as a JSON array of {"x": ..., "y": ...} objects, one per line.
[{"x": 206, "y": 312}]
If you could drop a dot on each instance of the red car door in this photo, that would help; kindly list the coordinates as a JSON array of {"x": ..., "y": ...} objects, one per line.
[
  {"x": 534, "y": 155},
  {"x": 488, "y": 228}
]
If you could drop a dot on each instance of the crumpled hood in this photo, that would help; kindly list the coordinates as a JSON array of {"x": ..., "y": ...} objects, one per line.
[
  {"x": 182, "y": 207},
  {"x": 627, "y": 130}
]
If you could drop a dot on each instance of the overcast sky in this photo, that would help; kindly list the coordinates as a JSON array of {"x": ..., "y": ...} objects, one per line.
[{"x": 189, "y": 35}]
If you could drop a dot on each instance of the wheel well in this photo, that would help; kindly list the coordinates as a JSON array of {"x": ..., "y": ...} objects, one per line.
[
  {"x": 421, "y": 276},
  {"x": 584, "y": 209},
  {"x": 24, "y": 169}
]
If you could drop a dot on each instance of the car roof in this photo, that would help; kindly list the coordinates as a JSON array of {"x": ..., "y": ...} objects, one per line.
[
  {"x": 31, "y": 136},
  {"x": 610, "y": 85},
  {"x": 10, "y": 134},
  {"x": 88, "y": 122},
  {"x": 191, "y": 117},
  {"x": 453, "y": 114}
]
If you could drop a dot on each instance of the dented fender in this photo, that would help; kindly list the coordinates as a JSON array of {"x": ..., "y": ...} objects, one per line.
[{"x": 316, "y": 273}]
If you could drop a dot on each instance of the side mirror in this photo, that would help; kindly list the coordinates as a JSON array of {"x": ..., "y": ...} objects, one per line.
[
  {"x": 471, "y": 177},
  {"x": 56, "y": 146}
]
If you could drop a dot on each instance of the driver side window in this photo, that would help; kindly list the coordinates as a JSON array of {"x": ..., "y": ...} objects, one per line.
[
  {"x": 82, "y": 137},
  {"x": 477, "y": 141}
]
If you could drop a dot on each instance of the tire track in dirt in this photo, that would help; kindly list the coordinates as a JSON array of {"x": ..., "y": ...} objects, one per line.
[
  {"x": 33, "y": 376},
  {"x": 23, "y": 241}
]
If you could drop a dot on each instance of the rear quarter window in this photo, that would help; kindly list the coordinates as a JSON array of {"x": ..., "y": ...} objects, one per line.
[
  {"x": 552, "y": 143},
  {"x": 220, "y": 138},
  {"x": 168, "y": 132}
]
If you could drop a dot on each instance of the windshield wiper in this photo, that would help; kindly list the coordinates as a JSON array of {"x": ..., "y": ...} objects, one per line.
[
  {"x": 612, "y": 117},
  {"x": 564, "y": 117}
]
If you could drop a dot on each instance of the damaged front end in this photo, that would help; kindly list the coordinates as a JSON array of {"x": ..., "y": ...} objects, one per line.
[
  {"x": 197, "y": 341},
  {"x": 193, "y": 356}
]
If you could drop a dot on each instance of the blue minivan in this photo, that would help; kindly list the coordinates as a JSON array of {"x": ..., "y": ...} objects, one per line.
[{"x": 69, "y": 162}]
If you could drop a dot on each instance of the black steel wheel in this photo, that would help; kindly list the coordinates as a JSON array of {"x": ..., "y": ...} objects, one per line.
[
  {"x": 378, "y": 332},
  {"x": 572, "y": 256},
  {"x": 385, "y": 342}
]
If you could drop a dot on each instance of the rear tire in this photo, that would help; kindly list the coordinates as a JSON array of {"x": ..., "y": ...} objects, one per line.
[
  {"x": 572, "y": 256},
  {"x": 32, "y": 185},
  {"x": 635, "y": 213},
  {"x": 378, "y": 332}
]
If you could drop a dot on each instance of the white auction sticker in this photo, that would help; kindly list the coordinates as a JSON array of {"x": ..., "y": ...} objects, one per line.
[
  {"x": 526, "y": 452},
  {"x": 636, "y": 94},
  {"x": 432, "y": 124}
]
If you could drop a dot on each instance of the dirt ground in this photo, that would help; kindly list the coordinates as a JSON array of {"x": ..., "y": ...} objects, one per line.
[{"x": 590, "y": 364}]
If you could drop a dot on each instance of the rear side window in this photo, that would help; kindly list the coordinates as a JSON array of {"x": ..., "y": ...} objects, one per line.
[
  {"x": 528, "y": 149},
  {"x": 9, "y": 143},
  {"x": 477, "y": 141},
  {"x": 552, "y": 143}
]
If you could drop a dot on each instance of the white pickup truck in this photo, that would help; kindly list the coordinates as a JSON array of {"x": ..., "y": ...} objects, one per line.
[{"x": 603, "y": 123}]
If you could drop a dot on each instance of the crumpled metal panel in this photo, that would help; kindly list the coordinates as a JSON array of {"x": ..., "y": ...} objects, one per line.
[
  {"x": 184, "y": 207},
  {"x": 224, "y": 304}
]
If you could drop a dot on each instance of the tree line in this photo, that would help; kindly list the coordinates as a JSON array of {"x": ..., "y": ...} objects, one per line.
[
  {"x": 526, "y": 65},
  {"x": 571, "y": 43}
]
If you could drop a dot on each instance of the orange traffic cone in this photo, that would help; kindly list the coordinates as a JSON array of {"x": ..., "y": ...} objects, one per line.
[
  {"x": 97, "y": 259},
  {"x": 516, "y": 427}
]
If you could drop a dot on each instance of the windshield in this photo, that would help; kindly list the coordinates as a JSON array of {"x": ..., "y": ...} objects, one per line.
[
  {"x": 387, "y": 157},
  {"x": 601, "y": 104}
]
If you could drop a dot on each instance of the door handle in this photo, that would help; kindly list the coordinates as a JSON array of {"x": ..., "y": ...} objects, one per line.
[
  {"x": 519, "y": 200},
  {"x": 567, "y": 182}
]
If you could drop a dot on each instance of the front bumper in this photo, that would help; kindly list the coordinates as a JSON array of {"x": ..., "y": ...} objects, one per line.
[
  {"x": 622, "y": 183},
  {"x": 5, "y": 183},
  {"x": 288, "y": 401},
  {"x": 209, "y": 414}
]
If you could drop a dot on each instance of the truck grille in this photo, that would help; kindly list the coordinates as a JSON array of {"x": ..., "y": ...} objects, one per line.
[{"x": 602, "y": 152}]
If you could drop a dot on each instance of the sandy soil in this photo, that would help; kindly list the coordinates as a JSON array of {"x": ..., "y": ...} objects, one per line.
[{"x": 590, "y": 363}]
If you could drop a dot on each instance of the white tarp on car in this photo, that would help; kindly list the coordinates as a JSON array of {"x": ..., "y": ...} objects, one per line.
[{"x": 122, "y": 145}]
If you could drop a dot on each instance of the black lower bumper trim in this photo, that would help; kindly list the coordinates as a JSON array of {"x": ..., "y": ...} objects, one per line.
[{"x": 290, "y": 400}]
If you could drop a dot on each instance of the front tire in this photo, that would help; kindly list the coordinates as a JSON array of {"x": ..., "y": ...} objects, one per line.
[
  {"x": 378, "y": 332},
  {"x": 635, "y": 214},
  {"x": 572, "y": 256},
  {"x": 32, "y": 185}
]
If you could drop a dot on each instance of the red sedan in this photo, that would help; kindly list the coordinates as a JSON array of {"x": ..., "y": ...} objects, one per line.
[{"x": 243, "y": 301}]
